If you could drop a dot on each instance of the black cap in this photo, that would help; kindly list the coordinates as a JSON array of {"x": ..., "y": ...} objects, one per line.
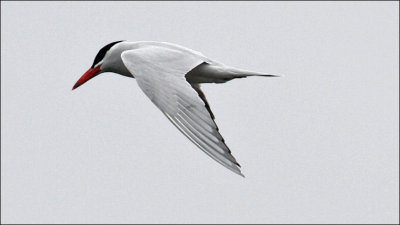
[{"x": 103, "y": 52}]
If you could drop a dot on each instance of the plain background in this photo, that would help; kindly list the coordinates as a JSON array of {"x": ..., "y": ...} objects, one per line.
[{"x": 318, "y": 145}]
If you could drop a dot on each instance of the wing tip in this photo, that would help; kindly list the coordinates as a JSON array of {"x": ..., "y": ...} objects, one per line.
[
  {"x": 240, "y": 174},
  {"x": 236, "y": 170}
]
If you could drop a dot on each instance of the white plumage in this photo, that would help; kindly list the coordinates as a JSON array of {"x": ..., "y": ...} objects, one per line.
[{"x": 170, "y": 75}]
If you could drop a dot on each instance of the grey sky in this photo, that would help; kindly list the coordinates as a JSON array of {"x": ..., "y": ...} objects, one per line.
[{"x": 318, "y": 145}]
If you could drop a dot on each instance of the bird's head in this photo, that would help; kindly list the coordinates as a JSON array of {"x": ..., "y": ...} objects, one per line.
[{"x": 108, "y": 59}]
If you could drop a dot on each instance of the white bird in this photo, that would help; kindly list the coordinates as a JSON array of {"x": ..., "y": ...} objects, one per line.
[{"x": 170, "y": 75}]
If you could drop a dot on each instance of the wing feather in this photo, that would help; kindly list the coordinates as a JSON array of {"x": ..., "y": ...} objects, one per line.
[{"x": 160, "y": 72}]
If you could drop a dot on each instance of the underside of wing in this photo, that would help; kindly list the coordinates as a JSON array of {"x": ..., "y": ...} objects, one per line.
[{"x": 160, "y": 73}]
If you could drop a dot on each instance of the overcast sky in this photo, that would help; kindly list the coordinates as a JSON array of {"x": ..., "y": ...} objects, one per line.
[{"x": 317, "y": 145}]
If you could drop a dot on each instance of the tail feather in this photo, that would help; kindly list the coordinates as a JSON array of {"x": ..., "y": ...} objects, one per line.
[
  {"x": 206, "y": 73},
  {"x": 256, "y": 74}
]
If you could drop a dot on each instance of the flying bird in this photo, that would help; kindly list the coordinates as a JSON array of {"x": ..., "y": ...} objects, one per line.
[{"x": 170, "y": 75}]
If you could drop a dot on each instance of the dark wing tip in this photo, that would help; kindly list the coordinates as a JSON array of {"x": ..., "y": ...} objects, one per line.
[{"x": 203, "y": 98}]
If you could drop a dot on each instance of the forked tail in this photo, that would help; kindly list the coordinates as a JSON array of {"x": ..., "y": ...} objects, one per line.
[{"x": 206, "y": 73}]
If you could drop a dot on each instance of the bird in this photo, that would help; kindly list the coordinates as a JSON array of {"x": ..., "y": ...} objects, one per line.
[{"x": 171, "y": 75}]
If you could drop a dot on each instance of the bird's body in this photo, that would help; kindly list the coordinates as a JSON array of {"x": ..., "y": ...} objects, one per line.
[{"x": 170, "y": 75}]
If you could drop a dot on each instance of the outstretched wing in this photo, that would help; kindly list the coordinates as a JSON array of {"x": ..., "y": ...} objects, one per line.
[{"x": 160, "y": 73}]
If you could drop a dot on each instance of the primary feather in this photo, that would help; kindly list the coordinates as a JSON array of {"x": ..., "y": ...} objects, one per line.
[{"x": 160, "y": 73}]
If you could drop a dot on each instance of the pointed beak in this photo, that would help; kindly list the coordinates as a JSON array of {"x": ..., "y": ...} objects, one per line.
[{"x": 92, "y": 72}]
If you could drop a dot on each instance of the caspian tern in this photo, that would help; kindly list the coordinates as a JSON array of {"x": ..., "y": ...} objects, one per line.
[{"x": 170, "y": 75}]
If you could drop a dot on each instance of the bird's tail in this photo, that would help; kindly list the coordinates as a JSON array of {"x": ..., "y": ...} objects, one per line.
[
  {"x": 205, "y": 73},
  {"x": 243, "y": 73},
  {"x": 256, "y": 74}
]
